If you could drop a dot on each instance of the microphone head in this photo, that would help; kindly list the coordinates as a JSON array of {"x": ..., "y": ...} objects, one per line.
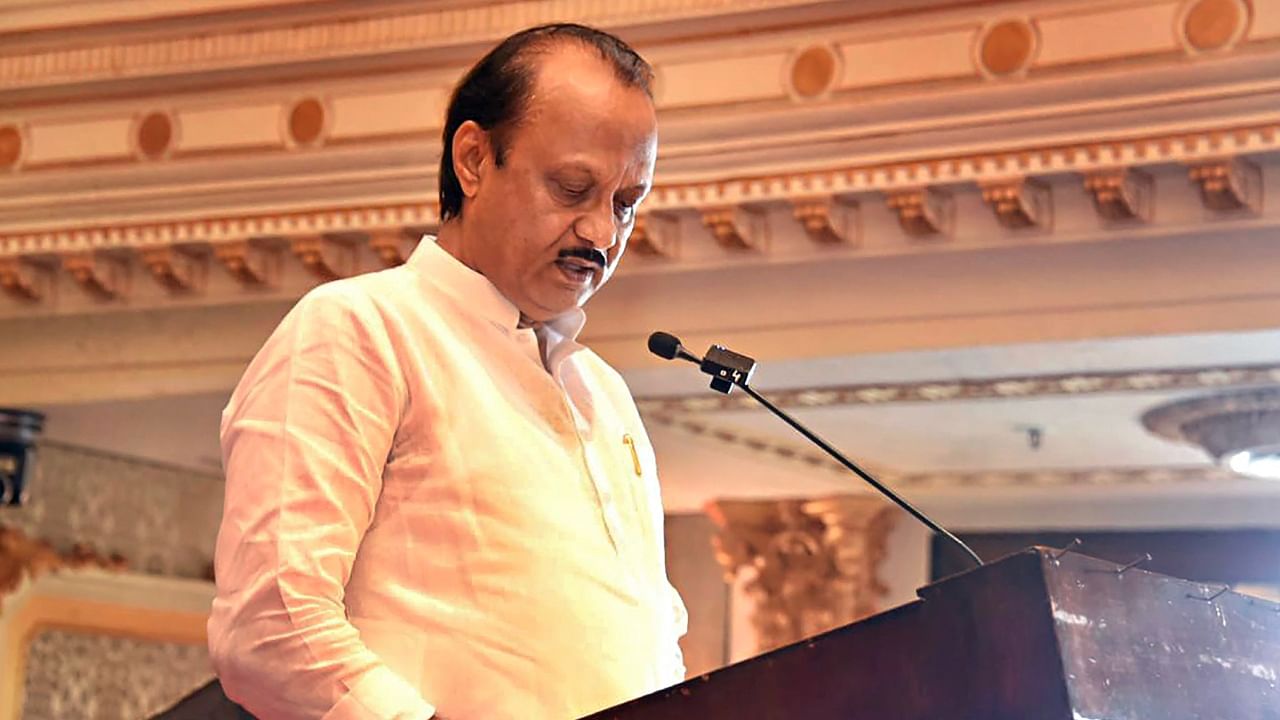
[{"x": 664, "y": 345}]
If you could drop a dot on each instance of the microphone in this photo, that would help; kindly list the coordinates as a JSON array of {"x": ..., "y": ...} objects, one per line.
[{"x": 729, "y": 369}]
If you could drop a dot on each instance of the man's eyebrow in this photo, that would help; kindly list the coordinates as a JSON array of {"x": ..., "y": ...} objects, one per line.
[{"x": 575, "y": 167}]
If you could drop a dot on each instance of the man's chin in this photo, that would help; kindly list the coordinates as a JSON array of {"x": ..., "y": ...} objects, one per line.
[{"x": 550, "y": 310}]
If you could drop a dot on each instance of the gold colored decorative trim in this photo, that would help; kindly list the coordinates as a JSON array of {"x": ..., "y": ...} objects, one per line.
[
  {"x": 178, "y": 269},
  {"x": 737, "y": 227},
  {"x": 222, "y": 229},
  {"x": 26, "y": 279},
  {"x": 655, "y": 235},
  {"x": 1020, "y": 203},
  {"x": 1121, "y": 194},
  {"x": 829, "y": 220},
  {"x": 1016, "y": 386},
  {"x": 812, "y": 564},
  {"x": 102, "y": 275},
  {"x": 1118, "y": 193},
  {"x": 1103, "y": 154},
  {"x": 328, "y": 257},
  {"x": 393, "y": 247},
  {"x": 924, "y": 213},
  {"x": 1229, "y": 185},
  {"x": 252, "y": 264},
  {"x": 24, "y": 558}
]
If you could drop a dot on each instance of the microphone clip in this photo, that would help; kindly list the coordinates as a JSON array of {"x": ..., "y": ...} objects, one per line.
[{"x": 727, "y": 368}]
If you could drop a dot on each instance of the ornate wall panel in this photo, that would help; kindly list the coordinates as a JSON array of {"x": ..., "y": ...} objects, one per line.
[
  {"x": 89, "y": 676},
  {"x": 162, "y": 520}
]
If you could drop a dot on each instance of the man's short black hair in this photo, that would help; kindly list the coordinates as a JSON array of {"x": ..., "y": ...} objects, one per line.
[{"x": 495, "y": 91}]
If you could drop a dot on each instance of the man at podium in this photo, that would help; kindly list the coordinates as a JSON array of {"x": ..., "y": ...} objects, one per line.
[{"x": 438, "y": 503}]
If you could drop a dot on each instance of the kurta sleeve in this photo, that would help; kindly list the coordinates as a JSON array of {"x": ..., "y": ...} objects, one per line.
[{"x": 304, "y": 441}]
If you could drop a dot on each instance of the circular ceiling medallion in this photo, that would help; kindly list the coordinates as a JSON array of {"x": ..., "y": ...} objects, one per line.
[
  {"x": 814, "y": 71},
  {"x": 154, "y": 136},
  {"x": 1209, "y": 25},
  {"x": 1241, "y": 428},
  {"x": 306, "y": 122},
  {"x": 1007, "y": 47},
  {"x": 10, "y": 147}
]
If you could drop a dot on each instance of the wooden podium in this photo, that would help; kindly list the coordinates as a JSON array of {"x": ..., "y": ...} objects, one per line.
[{"x": 1040, "y": 635}]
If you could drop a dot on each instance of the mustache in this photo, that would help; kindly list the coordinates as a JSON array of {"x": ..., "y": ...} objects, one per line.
[{"x": 589, "y": 254}]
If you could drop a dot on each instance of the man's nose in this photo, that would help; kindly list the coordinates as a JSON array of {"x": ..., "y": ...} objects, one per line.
[{"x": 598, "y": 227}]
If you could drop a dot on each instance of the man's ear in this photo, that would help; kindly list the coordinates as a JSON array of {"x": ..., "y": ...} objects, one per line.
[{"x": 471, "y": 156}]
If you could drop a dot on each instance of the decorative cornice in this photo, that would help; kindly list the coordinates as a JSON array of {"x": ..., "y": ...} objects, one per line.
[
  {"x": 24, "y": 558},
  {"x": 1008, "y": 387},
  {"x": 220, "y": 229},
  {"x": 1100, "y": 154},
  {"x": 330, "y": 242},
  {"x": 1097, "y": 160}
]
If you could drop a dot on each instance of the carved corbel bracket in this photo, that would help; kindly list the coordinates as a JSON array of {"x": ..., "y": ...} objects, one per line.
[
  {"x": 1229, "y": 185},
  {"x": 1020, "y": 203},
  {"x": 656, "y": 235},
  {"x": 26, "y": 279},
  {"x": 102, "y": 275},
  {"x": 253, "y": 264},
  {"x": 829, "y": 220},
  {"x": 179, "y": 269},
  {"x": 1121, "y": 194},
  {"x": 737, "y": 228},
  {"x": 393, "y": 245},
  {"x": 924, "y": 213},
  {"x": 328, "y": 257}
]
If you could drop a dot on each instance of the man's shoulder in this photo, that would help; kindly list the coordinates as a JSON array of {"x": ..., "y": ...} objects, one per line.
[{"x": 372, "y": 292}]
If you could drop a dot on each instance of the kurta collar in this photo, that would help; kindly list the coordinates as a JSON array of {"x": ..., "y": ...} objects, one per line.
[{"x": 475, "y": 292}]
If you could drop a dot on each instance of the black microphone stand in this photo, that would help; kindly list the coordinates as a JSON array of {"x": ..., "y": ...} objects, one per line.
[
  {"x": 729, "y": 369},
  {"x": 840, "y": 458}
]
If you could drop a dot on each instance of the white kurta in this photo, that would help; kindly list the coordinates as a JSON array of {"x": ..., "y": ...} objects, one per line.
[{"x": 421, "y": 514}]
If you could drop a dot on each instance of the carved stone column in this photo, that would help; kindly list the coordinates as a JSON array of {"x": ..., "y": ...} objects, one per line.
[{"x": 811, "y": 564}]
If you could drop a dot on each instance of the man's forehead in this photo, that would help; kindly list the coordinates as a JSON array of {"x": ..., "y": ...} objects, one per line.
[{"x": 570, "y": 70}]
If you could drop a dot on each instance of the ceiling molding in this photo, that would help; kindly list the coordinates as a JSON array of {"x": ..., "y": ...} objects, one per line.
[
  {"x": 1012, "y": 387},
  {"x": 1021, "y": 163},
  {"x": 807, "y": 456}
]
